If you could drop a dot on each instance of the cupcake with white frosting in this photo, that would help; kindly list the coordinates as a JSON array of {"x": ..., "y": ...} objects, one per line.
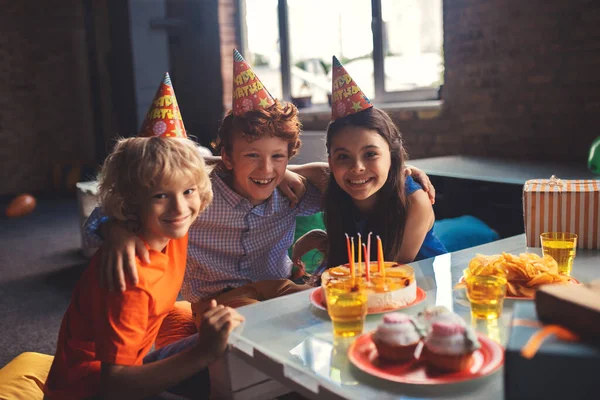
[
  {"x": 450, "y": 345},
  {"x": 397, "y": 337}
]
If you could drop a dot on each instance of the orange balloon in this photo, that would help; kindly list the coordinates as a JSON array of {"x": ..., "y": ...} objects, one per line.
[{"x": 21, "y": 205}]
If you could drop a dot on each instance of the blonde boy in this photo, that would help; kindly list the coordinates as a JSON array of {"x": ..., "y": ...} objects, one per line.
[{"x": 157, "y": 187}]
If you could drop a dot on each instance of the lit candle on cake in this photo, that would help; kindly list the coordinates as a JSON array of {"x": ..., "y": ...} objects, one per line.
[
  {"x": 350, "y": 255},
  {"x": 368, "y": 258},
  {"x": 352, "y": 272},
  {"x": 367, "y": 274},
  {"x": 380, "y": 266},
  {"x": 358, "y": 250}
]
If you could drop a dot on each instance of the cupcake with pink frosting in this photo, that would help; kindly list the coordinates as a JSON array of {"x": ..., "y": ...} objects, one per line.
[
  {"x": 397, "y": 337},
  {"x": 450, "y": 345}
]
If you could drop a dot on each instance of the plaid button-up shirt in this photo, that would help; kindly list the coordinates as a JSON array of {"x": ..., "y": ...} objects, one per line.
[{"x": 233, "y": 243}]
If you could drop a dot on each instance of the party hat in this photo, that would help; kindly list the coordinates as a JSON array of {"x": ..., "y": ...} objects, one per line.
[
  {"x": 163, "y": 117},
  {"x": 248, "y": 91},
  {"x": 346, "y": 96}
]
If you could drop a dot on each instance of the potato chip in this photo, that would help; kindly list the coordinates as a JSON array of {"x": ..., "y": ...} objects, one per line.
[
  {"x": 527, "y": 292},
  {"x": 512, "y": 289}
]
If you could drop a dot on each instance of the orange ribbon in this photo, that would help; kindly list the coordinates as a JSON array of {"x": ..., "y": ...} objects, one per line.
[{"x": 535, "y": 341}]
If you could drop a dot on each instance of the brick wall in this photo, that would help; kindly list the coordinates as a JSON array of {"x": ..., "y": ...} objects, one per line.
[
  {"x": 521, "y": 81},
  {"x": 228, "y": 14},
  {"x": 45, "y": 115}
]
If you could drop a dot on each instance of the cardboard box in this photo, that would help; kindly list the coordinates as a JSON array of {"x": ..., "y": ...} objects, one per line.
[
  {"x": 555, "y": 205},
  {"x": 559, "y": 369}
]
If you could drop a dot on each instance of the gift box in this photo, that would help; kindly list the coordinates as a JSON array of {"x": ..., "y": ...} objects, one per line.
[
  {"x": 555, "y": 205},
  {"x": 558, "y": 370},
  {"x": 575, "y": 307}
]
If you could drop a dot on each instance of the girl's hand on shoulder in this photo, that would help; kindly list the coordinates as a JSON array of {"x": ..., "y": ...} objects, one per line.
[
  {"x": 315, "y": 239},
  {"x": 421, "y": 177},
  {"x": 419, "y": 220},
  {"x": 293, "y": 186}
]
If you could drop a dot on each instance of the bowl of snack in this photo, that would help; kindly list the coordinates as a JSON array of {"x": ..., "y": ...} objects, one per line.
[{"x": 524, "y": 273}]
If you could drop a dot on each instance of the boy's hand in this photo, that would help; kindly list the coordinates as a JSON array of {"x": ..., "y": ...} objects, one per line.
[
  {"x": 216, "y": 325},
  {"x": 422, "y": 178},
  {"x": 118, "y": 257},
  {"x": 293, "y": 186}
]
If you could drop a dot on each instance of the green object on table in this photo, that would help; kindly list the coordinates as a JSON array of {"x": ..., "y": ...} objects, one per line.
[
  {"x": 594, "y": 157},
  {"x": 313, "y": 258}
]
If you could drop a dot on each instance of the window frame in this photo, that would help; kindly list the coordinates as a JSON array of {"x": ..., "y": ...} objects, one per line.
[{"x": 381, "y": 95}]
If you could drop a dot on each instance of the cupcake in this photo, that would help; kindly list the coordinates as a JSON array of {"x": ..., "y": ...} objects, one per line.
[
  {"x": 450, "y": 345},
  {"x": 397, "y": 337}
]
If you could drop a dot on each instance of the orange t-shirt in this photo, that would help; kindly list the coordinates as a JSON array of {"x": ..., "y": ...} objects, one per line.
[{"x": 112, "y": 327}]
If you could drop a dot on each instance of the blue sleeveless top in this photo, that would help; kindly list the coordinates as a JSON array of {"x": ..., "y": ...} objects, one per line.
[{"x": 431, "y": 246}]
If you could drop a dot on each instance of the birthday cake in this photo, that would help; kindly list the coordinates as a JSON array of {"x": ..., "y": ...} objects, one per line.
[{"x": 398, "y": 288}]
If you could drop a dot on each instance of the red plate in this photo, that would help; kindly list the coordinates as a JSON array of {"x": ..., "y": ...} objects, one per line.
[
  {"x": 318, "y": 300},
  {"x": 363, "y": 354},
  {"x": 575, "y": 282}
]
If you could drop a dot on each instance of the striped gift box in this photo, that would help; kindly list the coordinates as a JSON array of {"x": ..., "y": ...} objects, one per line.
[{"x": 555, "y": 205}]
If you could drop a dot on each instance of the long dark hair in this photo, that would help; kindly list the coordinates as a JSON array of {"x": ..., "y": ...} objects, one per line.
[{"x": 389, "y": 215}]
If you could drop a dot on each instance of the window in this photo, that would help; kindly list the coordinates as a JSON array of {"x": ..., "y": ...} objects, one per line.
[{"x": 392, "y": 48}]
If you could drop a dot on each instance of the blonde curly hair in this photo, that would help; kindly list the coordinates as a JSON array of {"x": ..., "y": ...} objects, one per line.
[{"x": 136, "y": 166}]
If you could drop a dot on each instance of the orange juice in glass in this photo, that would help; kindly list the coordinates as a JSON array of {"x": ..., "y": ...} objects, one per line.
[
  {"x": 562, "y": 247},
  {"x": 346, "y": 305},
  {"x": 486, "y": 294}
]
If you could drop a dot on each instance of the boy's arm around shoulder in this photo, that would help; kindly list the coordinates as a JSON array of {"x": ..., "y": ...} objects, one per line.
[
  {"x": 119, "y": 249},
  {"x": 317, "y": 173}
]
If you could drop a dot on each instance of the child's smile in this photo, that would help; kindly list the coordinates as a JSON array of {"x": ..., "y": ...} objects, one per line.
[
  {"x": 263, "y": 182},
  {"x": 179, "y": 221},
  {"x": 359, "y": 182}
]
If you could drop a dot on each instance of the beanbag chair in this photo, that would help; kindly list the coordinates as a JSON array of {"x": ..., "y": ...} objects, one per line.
[
  {"x": 24, "y": 376},
  {"x": 463, "y": 232}
]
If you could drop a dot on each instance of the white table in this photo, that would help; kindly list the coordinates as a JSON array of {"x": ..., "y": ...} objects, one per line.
[{"x": 291, "y": 341}]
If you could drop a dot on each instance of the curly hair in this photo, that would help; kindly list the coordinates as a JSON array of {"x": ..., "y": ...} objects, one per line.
[
  {"x": 279, "y": 120},
  {"x": 138, "y": 165}
]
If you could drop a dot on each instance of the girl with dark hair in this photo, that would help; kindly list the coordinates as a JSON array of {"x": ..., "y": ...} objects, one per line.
[{"x": 368, "y": 190}]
